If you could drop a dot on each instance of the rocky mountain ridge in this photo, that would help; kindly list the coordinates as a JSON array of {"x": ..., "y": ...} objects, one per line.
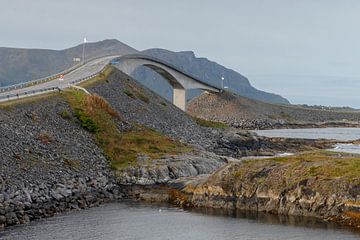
[
  {"x": 21, "y": 65},
  {"x": 205, "y": 69}
]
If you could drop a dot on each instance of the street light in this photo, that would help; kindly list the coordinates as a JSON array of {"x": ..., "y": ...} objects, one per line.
[
  {"x": 222, "y": 84},
  {"x": 83, "y": 58}
]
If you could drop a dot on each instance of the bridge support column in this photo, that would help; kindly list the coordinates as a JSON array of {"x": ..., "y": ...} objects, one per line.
[{"x": 179, "y": 98}]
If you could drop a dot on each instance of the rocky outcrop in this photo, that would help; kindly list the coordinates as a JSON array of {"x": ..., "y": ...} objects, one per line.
[
  {"x": 162, "y": 171},
  {"x": 276, "y": 188}
]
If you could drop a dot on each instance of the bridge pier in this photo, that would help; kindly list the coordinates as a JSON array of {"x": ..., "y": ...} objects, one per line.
[
  {"x": 179, "y": 98},
  {"x": 179, "y": 80}
]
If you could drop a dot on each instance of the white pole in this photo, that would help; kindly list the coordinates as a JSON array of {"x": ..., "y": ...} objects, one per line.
[
  {"x": 222, "y": 83},
  {"x": 83, "y": 54}
]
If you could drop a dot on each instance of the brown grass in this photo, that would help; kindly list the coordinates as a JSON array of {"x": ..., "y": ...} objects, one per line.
[
  {"x": 101, "y": 77},
  {"x": 45, "y": 137},
  {"x": 120, "y": 148},
  {"x": 92, "y": 103}
]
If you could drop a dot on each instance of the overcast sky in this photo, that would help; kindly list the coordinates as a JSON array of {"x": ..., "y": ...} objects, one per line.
[{"x": 307, "y": 51}]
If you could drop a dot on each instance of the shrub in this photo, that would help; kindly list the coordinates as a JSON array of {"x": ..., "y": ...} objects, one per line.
[
  {"x": 65, "y": 114},
  {"x": 143, "y": 98},
  {"x": 86, "y": 122},
  {"x": 94, "y": 102},
  {"x": 129, "y": 94},
  {"x": 210, "y": 124}
]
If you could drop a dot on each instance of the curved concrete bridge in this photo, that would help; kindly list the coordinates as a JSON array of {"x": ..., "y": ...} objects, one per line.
[{"x": 178, "y": 79}]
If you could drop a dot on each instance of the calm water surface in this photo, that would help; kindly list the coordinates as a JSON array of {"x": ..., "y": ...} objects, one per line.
[
  {"x": 138, "y": 221},
  {"x": 341, "y": 134}
]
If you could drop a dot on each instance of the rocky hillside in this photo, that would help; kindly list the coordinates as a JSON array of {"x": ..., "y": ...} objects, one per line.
[
  {"x": 63, "y": 151},
  {"x": 20, "y": 65},
  {"x": 69, "y": 150},
  {"x": 242, "y": 112},
  {"x": 204, "y": 69}
]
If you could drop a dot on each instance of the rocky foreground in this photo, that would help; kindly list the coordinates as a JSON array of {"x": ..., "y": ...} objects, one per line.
[
  {"x": 319, "y": 184},
  {"x": 70, "y": 151}
]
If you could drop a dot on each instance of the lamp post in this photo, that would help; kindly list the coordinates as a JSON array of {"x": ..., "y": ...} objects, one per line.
[
  {"x": 83, "y": 53},
  {"x": 222, "y": 83}
]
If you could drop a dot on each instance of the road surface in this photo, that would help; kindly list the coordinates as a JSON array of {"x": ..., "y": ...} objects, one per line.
[{"x": 84, "y": 71}]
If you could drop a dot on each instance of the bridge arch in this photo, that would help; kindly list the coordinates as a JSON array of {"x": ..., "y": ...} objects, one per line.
[{"x": 177, "y": 78}]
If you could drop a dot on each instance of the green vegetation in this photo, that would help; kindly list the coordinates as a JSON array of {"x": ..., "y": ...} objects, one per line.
[
  {"x": 8, "y": 105},
  {"x": 136, "y": 93},
  {"x": 65, "y": 114},
  {"x": 101, "y": 77},
  {"x": 72, "y": 163},
  {"x": 210, "y": 124},
  {"x": 120, "y": 148},
  {"x": 143, "y": 98},
  {"x": 320, "y": 164},
  {"x": 129, "y": 94}
]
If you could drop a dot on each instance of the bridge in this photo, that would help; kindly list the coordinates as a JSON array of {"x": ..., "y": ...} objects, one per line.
[{"x": 178, "y": 79}]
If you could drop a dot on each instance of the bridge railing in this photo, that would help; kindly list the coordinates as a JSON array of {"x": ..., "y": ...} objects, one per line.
[
  {"x": 28, "y": 93},
  {"x": 48, "y": 78},
  {"x": 176, "y": 68},
  {"x": 14, "y": 96}
]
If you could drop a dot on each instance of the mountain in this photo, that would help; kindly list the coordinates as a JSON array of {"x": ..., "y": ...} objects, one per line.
[
  {"x": 204, "y": 69},
  {"x": 20, "y": 65}
]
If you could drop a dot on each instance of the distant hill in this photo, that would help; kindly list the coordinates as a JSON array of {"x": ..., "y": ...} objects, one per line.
[
  {"x": 19, "y": 65},
  {"x": 244, "y": 112},
  {"x": 204, "y": 69}
]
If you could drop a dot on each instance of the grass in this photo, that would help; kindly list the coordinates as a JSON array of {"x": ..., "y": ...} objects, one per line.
[
  {"x": 101, "y": 77},
  {"x": 121, "y": 148},
  {"x": 65, "y": 114},
  {"x": 143, "y": 98},
  {"x": 26, "y": 100},
  {"x": 129, "y": 94},
  {"x": 319, "y": 165},
  {"x": 135, "y": 93},
  {"x": 210, "y": 124},
  {"x": 72, "y": 163}
]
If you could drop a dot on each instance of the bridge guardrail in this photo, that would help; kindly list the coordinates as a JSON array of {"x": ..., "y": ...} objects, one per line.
[
  {"x": 45, "y": 90},
  {"x": 29, "y": 93},
  {"x": 48, "y": 78},
  {"x": 176, "y": 68}
]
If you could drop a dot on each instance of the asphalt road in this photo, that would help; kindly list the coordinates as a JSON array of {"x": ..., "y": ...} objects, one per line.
[{"x": 84, "y": 71}]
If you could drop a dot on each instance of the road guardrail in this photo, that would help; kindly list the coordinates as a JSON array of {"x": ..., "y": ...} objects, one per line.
[{"x": 48, "y": 78}]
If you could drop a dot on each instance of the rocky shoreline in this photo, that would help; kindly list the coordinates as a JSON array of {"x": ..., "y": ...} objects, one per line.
[
  {"x": 30, "y": 202},
  {"x": 50, "y": 163},
  {"x": 268, "y": 124}
]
